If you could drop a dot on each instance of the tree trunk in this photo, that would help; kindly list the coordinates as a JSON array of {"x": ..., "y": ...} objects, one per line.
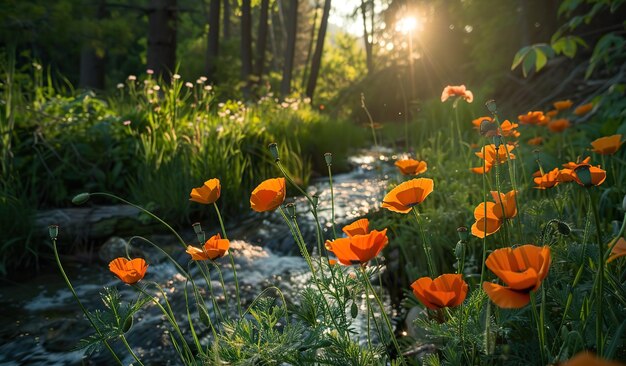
[
  {"x": 290, "y": 48},
  {"x": 319, "y": 49},
  {"x": 262, "y": 39},
  {"x": 369, "y": 57},
  {"x": 226, "y": 20},
  {"x": 213, "y": 39},
  {"x": 309, "y": 52},
  {"x": 162, "y": 37},
  {"x": 92, "y": 64},
  {"x": 246, "y": 46}
]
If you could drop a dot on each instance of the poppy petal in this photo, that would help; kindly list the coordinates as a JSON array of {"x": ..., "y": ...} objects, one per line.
[{"x": 505, "y": 297}]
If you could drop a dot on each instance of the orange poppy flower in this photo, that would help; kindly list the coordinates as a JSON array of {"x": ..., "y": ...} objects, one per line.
[
  {"x": 358, "y": 249},
  {"x": 488, "y": 153},
  {"x": 567, "y": 174},
  {"x": 208, "y": 193},
  {"x": 503, "y": 208},
  {"x": 535, "y": 141},
  {"x": 408, "y": 194},
  {"x": 619, "y": 250},
  {"x": 548, "y": 180},
  {"x": 448, "y": 290},
  {"x": 588, "y": 359},
  {"x": 411, "y": 166},
  {"x": 460, "y": 90},
  {"x": 588, "y": 175},
  {"x": 129, "y": 271},
  {"x": 521, "y": 269},
  {"x": 476, "y": 122},
  {"x": 552, "y": 113},
  {"x": 509, "y": 129},
  {"x": 213, "y": 248},
  {"x": 533, "y": 118},
  {"x": 559, "y": 125},
  {"x": 268, "y": 195},
  {"x": 359, "y": 227},
  {"x": 607, "y": 145},
  {"x": 563, "y": 105},
  {"x": 581, "y": 110}
]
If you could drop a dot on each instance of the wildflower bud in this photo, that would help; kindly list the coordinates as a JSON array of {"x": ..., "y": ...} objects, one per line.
[
  {"x": 497, "y": 140},
  {"x": 615, "y": 225},
  {"x": 315, "y": 198},
  {"x": 128, "y": 323},
  {"x": 329, "y": 158},
  {"x": 584, "y": 175},
  {"x": 53, "y": 231},
  {"x": 488, "y": 128},
  {"x": 491, "y": 106},
  {"x": 204, "y": 316},
  {"x": 563, "y": 228},
  {"x": 291, "y": 209},
  {"x": 197, "y": 228},
  {"x": 459, "y": 250},
  {"x": 274, "y": 151},
  {"x": 81, "y": 198},
  {"x": 354, "y": 310},
  {"x": 463, "y": 233}
]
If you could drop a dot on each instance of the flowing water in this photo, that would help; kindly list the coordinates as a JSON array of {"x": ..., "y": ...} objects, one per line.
[{"x": 41, "y": 322}]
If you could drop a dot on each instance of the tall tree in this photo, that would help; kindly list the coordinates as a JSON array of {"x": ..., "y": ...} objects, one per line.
[
  {"x": 92, "y": 59},
  {"x": 213, "y": 39},
  {"x": 290, "y": 48},
  {"x": 309, "y": 52},
  {"x": 259, "y": 64},
  {"x": 368, "y": 36},
  {"x": 226, "y": 18},
  {"x": 319, "y": 49},
  {"x": 162, "y": 37},
  {"x": 246, "y": 45}
]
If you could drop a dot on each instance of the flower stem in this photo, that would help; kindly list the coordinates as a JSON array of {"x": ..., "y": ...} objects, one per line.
[
  {"x": 427, "y": 248},
  {"x": 80, "y": 304},
  {"x": 482, "y": 271},
  {"x": 384, "y": 314},
  {"x": 232, "y": 260},
  {"x": 332, "y": 202},
  {"x": 540, "y": 327},
  {"x": 600, "y": 278}
]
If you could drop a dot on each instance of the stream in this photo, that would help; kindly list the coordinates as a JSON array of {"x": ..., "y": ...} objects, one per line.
[{"x": 42, "y": 323}]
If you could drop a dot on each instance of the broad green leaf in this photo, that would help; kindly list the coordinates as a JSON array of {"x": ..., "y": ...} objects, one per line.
[
  {"x": 541, "y": 59},
  {"x": 519, "y": 56},
  {"x": 529, "y": 62}
]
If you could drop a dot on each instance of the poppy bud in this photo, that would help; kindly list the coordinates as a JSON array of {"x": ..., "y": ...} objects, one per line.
[
  {"x": 204, "y": 315},
  {"x": 274, "y": 151},
  {"x": 497, "y": 141},
  {"x": 492, "y": 106},
  {"x": 81, "y": 198},
  {"x": 128, "y": 323},
  {"x": 354, "y": 310},
  {"x": 53, "y": 231},
  {"x": 459, "y": 250},
  {"x": 563, "y": 228},
  {"x": 315, "y": 198},
  {"x": 463, "y": 233},
  {"x": 197, "y": 228},
  {"x": 615, "y": 226},
  {"x": 291, "y": 209},
  {"x": 329, "y": 158},
  {"x": 584, "y": 175}
]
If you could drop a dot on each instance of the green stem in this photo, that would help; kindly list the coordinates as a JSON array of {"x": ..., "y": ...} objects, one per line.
[
  {"x": 332, "y": 202},
  {"x": 144, "y": 211},
  {"x": 427, "y": 248},
  {"x": 130, "y": 350},
  {"x": 482, "y": 271},
  {"x": 232, "y": 260},
  {"x": 540, "y": 328},
  {"x": 600, "y": 279},
  {"x": 384, "y": 314},
  {"x": 80, "y": 304}
]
